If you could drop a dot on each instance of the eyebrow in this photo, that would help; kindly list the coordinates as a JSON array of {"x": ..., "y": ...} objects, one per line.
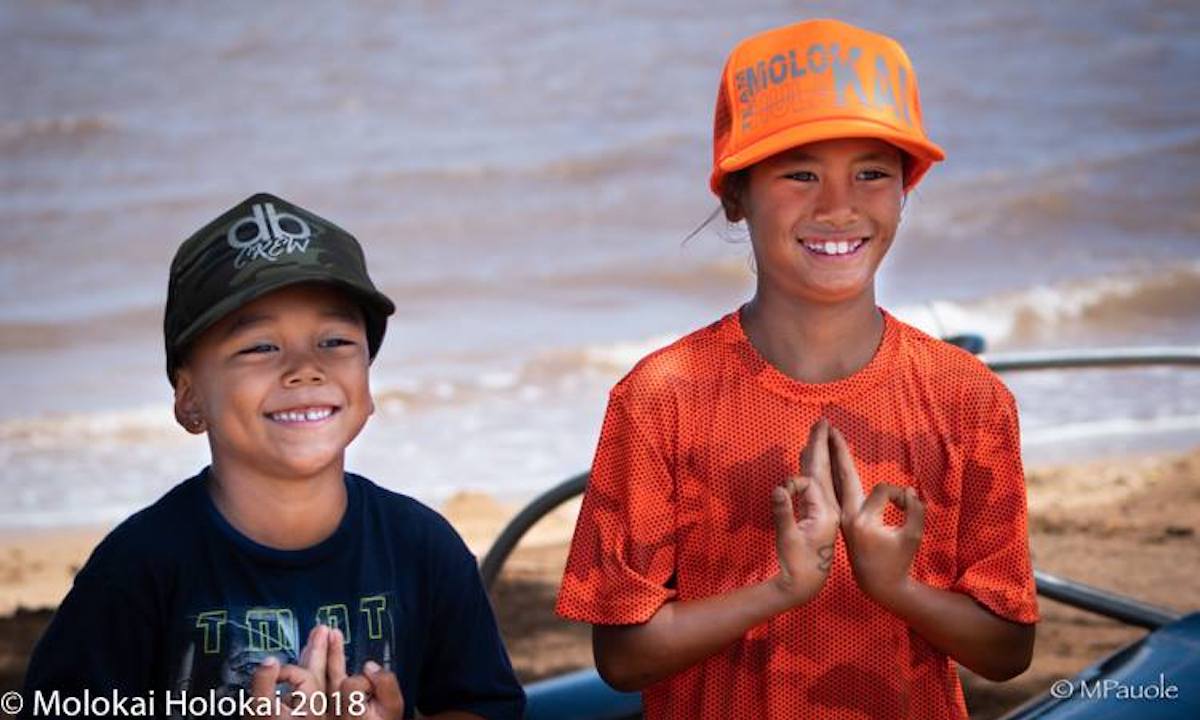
[
  {"x": 242, "y": 322},
  {"x": 342, "y": 312}
]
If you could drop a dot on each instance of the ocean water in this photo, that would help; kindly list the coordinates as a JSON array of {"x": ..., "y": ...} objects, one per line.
[{"x": 523, "y": 181}]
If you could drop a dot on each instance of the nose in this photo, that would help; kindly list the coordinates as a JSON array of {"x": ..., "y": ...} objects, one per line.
[
  {"x": 835, "y": 204},
  {"x": 303, "y": 369}
]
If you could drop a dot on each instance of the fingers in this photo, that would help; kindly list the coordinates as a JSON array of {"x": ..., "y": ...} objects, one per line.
[
  {"x": 381, "y": 687},
  {"x": 306, "y": 651},
  {"x": 846, "y": 483},
  {"x": 301, "y": 679},
  {"x": 266, "y": 675},
  {"x": 269, "y": 673},
  {"x": 818, "y": 498},
  {"x": 781, "y": 508},
  {"x": 905, "y": 498},
  {"x": 304, "y": 685},
  {"x": 349, "y": 686},
  {"x": 814, "y": 461},
  {"x": 386, "y": 689},
  {"x": 880, "y": 496},
  {"x": 914, "y": 514},
  {"x": 315, "y": 652},
  {"x": 335, "y": 669}
]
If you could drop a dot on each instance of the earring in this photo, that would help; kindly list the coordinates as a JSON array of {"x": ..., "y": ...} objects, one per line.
[{"x": 195, "y": 424}]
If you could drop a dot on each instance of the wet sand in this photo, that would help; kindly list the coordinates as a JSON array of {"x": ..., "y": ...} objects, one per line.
[{"x": 1129, "y": 525}]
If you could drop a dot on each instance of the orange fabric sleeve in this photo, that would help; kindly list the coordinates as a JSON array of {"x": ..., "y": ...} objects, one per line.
[
  {"x": 623, "y": 553},
  {"x": 993, "y": 536}
]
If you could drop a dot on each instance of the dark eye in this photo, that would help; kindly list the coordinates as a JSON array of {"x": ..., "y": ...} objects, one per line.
[
  {"x": 257, "y": 348},
  {"x": 873, "y": 174},
  {"x": 802, "y": 176},
  {"x": 336, "y": 342}
]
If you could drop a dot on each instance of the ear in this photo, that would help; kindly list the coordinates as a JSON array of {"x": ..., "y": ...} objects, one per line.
[
  {"x": 187, "y": 405},
  {"x": 732, "y": 208}
]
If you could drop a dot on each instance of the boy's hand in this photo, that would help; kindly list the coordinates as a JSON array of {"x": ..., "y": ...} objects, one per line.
[
  {"x": 374, "y": 695},
  {"x": 316, "y": 655},
  {"x": 805, "y": 546},
  {"x": 269, "y": 673},
  {"x": 321, "y": 669},
  {"x": 880, "y": 555},
  {"x": 379, "y": 691}
]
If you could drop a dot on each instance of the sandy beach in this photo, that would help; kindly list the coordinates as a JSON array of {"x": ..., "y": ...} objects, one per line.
[{"x": 1129, "y": 525}]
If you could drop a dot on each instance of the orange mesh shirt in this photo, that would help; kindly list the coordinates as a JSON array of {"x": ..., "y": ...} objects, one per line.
[{"x": 678, "y": 508}]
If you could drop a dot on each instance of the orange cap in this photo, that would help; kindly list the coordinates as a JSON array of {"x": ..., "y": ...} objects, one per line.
[{"x": 817, "y": 80}]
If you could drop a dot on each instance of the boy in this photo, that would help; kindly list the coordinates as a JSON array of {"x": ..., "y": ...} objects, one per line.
[
  {"x": 270, "y": 327},
  {"x": 707, "y": 554}
]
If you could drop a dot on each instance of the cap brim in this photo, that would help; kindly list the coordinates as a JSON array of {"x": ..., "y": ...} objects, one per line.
[
  {"x": 376, "y": 301},
  {"x": 924, "y": 151}
]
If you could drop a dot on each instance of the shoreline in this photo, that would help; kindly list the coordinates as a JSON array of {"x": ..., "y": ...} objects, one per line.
[{"x": 1129, "y": 524}]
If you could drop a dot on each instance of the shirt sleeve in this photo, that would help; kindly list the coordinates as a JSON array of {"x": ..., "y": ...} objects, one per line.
[
  {"x": 466, "y": 667},
  {"x": 100, "y": 640},
  {"x": 622, "y": 556},
  {"x": 993, "y": 535}
]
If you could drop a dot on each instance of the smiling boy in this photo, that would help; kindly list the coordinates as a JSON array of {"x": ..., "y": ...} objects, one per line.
[
  {"x": 808, "y": 509},
  {"x": 271, "y": 325}
]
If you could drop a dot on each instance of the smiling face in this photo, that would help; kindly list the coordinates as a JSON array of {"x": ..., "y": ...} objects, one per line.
[
  {"x": 821, "y": 217},
  {"x": 281, "y": 384}
]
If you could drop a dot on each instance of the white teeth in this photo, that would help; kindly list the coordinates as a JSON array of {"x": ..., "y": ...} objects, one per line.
[
  {"x": 830, "y": 247},
  {"x": 310, "y": 415}
]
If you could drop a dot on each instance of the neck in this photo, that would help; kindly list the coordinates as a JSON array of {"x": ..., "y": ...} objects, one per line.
[
  {"x": 285, "y": 513},
  {"x": 814, "y": 342}
]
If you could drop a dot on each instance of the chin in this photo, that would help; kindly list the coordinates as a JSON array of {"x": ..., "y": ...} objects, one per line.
[
  {"x": 305, "y": 467},
  {"x": 832, "y": 295}
]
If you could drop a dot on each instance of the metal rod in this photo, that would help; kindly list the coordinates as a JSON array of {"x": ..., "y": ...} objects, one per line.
[
  {"x": 542, "y": 505},
  {"x": 1102, "y": 602},
  {"x": 1104, "y": 357}
]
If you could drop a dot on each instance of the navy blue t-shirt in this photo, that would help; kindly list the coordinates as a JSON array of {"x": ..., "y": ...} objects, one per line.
[{"x": 175, "y": 598}]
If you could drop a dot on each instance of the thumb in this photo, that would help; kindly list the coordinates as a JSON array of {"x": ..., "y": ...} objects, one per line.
[
  {"x": 386, "y": 689},
  {"x": 262, "y": 684},
  {"x": 354, "y": 689},
  {"x": 914, "y": 514},
  {"x": 782, "y": 511}
]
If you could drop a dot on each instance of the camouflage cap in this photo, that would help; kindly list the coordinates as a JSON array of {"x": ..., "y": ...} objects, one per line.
[{"x": 262, "y": 244}]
